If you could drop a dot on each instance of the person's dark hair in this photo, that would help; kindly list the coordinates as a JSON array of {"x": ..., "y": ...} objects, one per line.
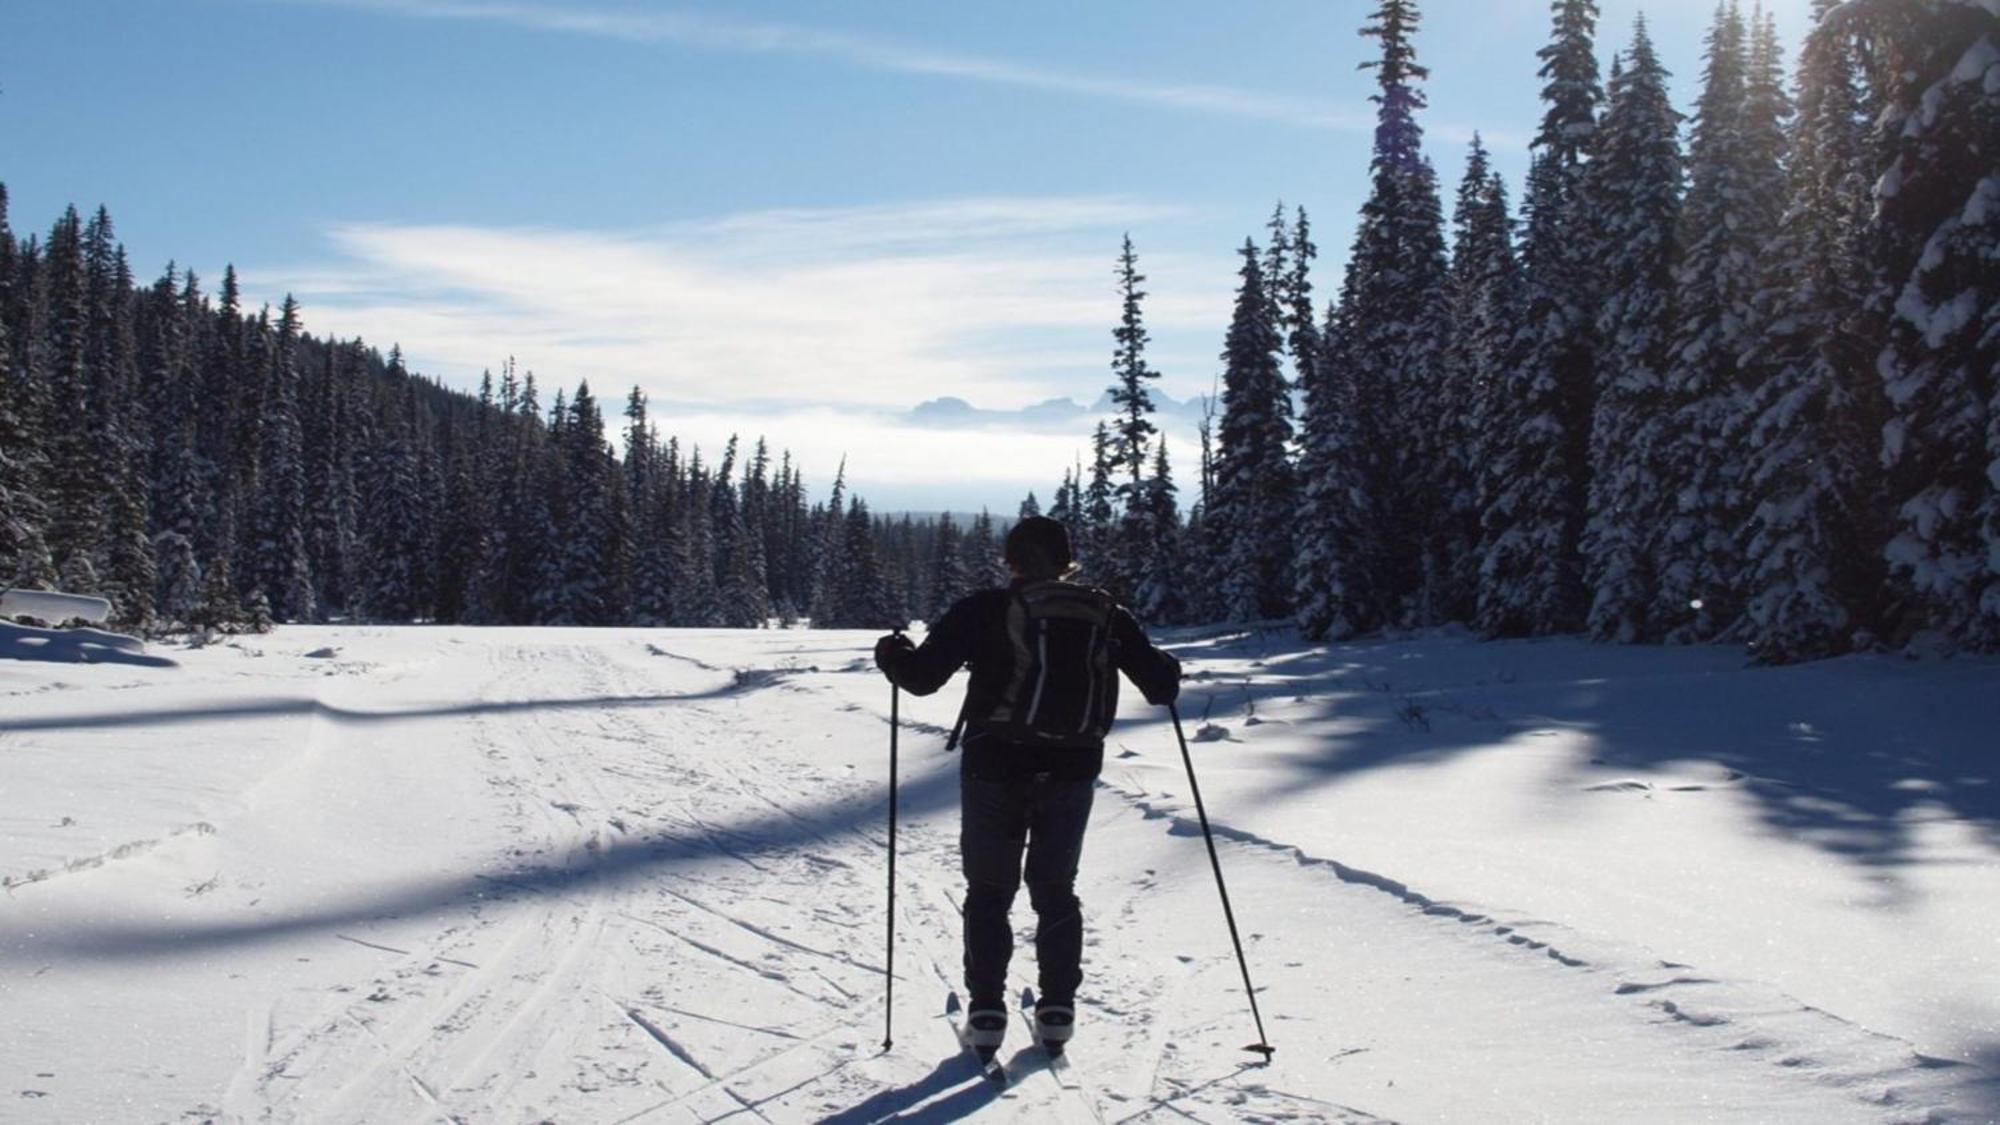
[{"x": 1039, "y": 548}]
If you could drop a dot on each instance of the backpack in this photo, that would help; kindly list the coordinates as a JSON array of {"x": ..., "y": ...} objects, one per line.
[{"x": 1062, "y": 689}]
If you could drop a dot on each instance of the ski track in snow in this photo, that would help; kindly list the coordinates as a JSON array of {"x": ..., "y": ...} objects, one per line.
[{"x": 682, "y": 922}]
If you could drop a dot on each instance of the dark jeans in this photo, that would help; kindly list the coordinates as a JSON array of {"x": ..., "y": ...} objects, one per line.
[{"x": 1044, "y": 815}]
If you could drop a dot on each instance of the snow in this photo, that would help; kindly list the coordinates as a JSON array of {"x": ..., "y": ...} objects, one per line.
[
  {"x": 1978, "y": 63},
  {"x": 49, "y": 605},
  {"x": 367, "y": 874}
]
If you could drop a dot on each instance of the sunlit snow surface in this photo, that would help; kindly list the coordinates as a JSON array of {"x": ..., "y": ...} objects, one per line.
[{"x": 369, "y": 874}]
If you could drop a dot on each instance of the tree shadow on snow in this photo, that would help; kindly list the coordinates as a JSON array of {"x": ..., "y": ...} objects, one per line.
[
  {"x": 280, "y": 707},
  {"x": 615, "y": 865},
  {"x": 1982, "y": 1097},
  {"x": 913, "y": 1103},
  {"x": 1849, "y": 755}
]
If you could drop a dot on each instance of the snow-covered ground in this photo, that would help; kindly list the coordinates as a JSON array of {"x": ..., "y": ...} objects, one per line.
[{"x": 367, "y": 874}]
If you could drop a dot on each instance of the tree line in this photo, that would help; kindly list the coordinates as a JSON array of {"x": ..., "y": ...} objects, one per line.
[
  {"x": 1745, "y": 387},
  {"x": 206, "y": 467}
]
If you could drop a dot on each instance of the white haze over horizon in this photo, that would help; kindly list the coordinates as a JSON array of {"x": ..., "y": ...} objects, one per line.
[{"x": 818, "y": 329}]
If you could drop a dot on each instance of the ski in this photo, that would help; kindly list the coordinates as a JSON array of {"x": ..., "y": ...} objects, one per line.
[
  {"x": 989, "y": 1062},
  {"x": 1057, "y": 1060}
]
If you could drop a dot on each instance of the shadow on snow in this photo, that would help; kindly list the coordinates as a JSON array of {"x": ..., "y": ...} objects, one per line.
[{"x": 1849, "y": 756}]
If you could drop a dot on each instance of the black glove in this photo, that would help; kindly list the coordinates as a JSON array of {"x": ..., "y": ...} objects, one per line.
[{"x": 891, "y": 649}]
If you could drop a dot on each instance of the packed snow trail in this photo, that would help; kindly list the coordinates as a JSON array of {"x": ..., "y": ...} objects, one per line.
[{"x": 350, "y": 874}]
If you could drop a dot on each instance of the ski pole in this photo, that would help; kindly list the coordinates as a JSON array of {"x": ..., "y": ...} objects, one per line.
[
  {"x": 889, "y": 995},
  {"x": 1263, "y": 1044}
]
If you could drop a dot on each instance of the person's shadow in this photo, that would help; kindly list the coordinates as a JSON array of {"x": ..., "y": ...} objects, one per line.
[{"x": 907, "y": 1103}]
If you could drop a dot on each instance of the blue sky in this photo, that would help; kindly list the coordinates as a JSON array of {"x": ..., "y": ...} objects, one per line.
[{"x": 787, "y": 218}]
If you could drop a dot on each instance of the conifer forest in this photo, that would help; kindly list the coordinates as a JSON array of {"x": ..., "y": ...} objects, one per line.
[{"x": 1721, "y": 372}]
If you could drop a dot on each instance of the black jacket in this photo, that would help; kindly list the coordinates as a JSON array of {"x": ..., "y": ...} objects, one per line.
[{"x": 973, "y": 633}]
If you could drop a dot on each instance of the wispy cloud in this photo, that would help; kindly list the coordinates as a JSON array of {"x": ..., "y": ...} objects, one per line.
[
  {"x": 821, "y": 328},
  {"x": 691, "y": 29}
]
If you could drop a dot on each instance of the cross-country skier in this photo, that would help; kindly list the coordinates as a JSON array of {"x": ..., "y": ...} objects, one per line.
[{"x": 1045, "y": 654}]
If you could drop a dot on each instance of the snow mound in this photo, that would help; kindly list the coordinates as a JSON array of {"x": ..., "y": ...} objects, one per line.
[{"x": 75, "y": 646}]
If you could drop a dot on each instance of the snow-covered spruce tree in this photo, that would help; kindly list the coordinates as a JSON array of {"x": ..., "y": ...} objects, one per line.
[
  {"x": 1729, "y": 221},
  {"x": 278, "y": 557},
  {"x": 24, "y": 556},
  {"x": 333, "y": 494},
  {"x": 722, "y": 519},
  {"x": 394, "y": 531},
  {"x": 1935, "y": 67},
  {"x": 1481, "y": 348},
  {"x": 829, "y": 537},
  {"x": 645, "y": 461},
  {"x": 750, "y": 574},
  {"x": 948, "y": 574},
  {"x": 653, "y": 555},
  {"x": 746, "y": 597},
  {"x": 1532, "y": 577},
  {"x": 462, "y": 537},
  {"x": 1298, "y": 319},
  {"x": 1255, "y": 489},
  {"x": 1067, "y": 507},
  {"x": 74, "y": 478},
  {"x": 500, "y": 592},
  {"x": 980, "y": 554},
  {"x": 218, "y": 608},
  {"x": 1160, "y": 598},
  {"x": 863, "y": 597},
  {"x": 178, "y": 483},
  {"x": 123, "y": 558},
  {"x": 593, "y": 542},
  {"x": 1635, "y": 189},
  {"x": 1131, "y": 544},
  {"x": 1392, "y": 337},
  {"x": 1372, "y": 398},
  {"x": 698, "y": 599},
  {"x": 1030, "y": 506},
  {"x": 1336, "y": 542},
  {"x": 1094, "y": 534},
  {"x": 1814, "y": 560},
  {"x": 180, "y": 579}
]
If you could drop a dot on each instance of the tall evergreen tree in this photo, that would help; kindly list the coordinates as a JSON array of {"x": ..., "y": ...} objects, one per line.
[
  {"x": 1635, "y": 188},
  {"x": 1481, "y": 350},
  {"x": 1936, "y": 64},
  {"x": 1729, "y": 222},
  {"x": 1815, "y": 547},
  {"x": 950, "y": 579},
  {"x": 864, "y": 599},
  {"x": 393, "y": 590},
  {"x": 592, "y": 540},
  {"x": 1375, "y": 402},
  {"x": 74, "y": 474},
  {"x": 1160, "y": 596},
  {"x": 24, "y": 554},
  {"x": 1532, "y": 571},
  {"x": 24, "y": 557},
  {"x": 1097, "y": 514},
  {"x": 980, "y": 553},
  {"x": 1296, "y": 315},
  {"x": 829, "y": 562},
  {"x": 1255, "y": 487},
  {"x": 279, "y": 565},
  {"x": 1134, "y": 401}
]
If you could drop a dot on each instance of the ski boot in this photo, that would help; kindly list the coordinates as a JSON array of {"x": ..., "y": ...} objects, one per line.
[{"x": 1053, "y": 1025}]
